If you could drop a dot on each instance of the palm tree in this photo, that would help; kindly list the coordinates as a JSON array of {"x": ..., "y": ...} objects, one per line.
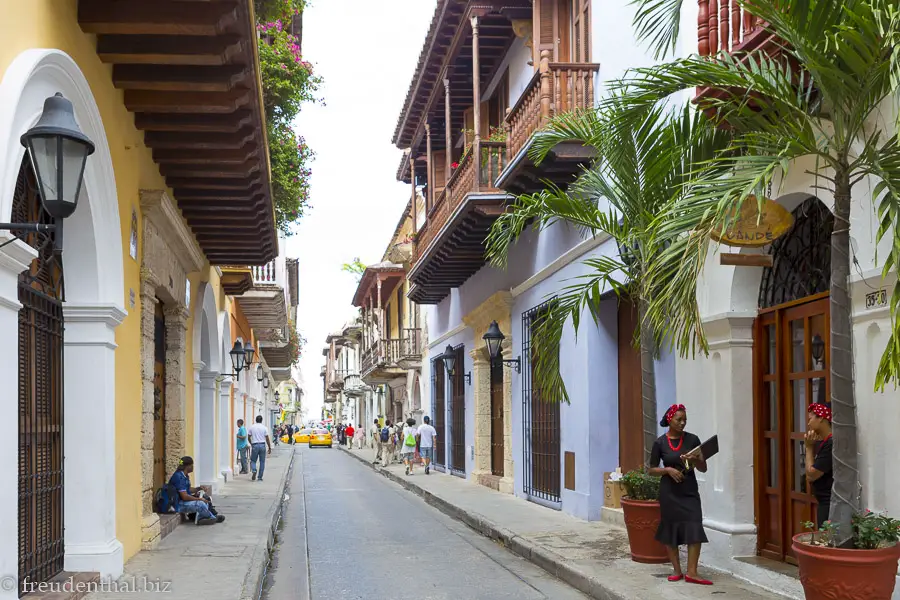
[
  {"x": 641, "y": 165},
  {"x": 820, "y": 99}
]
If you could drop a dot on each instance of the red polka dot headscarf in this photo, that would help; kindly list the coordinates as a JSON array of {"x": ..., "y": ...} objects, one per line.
[
  {"x": 823, "y": 411},
  {"x": 671, "y": 412}
]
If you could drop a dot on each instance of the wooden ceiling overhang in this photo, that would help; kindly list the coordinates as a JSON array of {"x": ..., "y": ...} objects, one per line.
[
  {"x": 447, "y": 52},
  {"x": 457, "y": 251},
  {"x": 561, "y": 167},
  {"x": 236, "y": 280},
  {"x": 390, "y": 275},
  {"x": 189, "y": 72}
]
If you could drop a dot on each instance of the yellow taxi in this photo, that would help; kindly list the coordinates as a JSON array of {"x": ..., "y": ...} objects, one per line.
[
  {"x": 302, "y": 436},
  {"x": 319, "y": 437}
]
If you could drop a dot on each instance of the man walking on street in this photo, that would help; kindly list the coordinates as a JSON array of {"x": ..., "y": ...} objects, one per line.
[
  {"x": 427, "y": 440},
  {"x": 387, "y": 447},
  {"x": 243, "y": 446},
  {"x": 349, "y": 432},
  {"x": 259, "y": 440},
  {"x": 376, "y": 441}
]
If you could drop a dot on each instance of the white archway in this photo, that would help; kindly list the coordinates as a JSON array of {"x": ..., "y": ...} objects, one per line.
[
  {"x": 223, "y": 412},
  {"x": 207, "y": 360},
  {"x": 93, "y": 309}
]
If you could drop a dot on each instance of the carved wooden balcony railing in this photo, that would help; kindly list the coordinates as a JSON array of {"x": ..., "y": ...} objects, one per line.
[
  {"x": 462, "y": 182},
  {"x": 724, "y": 26},
  {"x": 411, "y": 344},
  {"x": 556, "y": 88}
]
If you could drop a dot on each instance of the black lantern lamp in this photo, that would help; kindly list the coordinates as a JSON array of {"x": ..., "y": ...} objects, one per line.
[
  {"x": 241, "y": 358},
  {"x": 493, "y": 338},
  {"x": 265, "y": 383},
  {"x": 277, "y": 395},
  {"x": 58, "y": 151},
  {"x": 449, "y": 358},
  {"x": 817, "y": 347},
  {"x": 260, "y": 373}
]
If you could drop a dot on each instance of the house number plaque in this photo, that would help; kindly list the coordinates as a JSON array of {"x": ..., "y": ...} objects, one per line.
[{"x": 876, "y": 299}]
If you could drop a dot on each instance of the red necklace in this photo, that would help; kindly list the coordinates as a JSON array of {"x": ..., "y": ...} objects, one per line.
[{"x": 678, "y": 447}]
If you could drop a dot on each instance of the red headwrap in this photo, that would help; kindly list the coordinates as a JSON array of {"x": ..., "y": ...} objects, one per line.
[
  {"x": 672, "y": 410},
  {"x": 823, "y": 411}
]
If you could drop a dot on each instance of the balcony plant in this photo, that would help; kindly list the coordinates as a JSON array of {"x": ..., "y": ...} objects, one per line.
[
  {"x": 640, "y": 506},
  {"x": 288, "y": 82}
]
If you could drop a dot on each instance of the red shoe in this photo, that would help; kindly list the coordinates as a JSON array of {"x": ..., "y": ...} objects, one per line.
[
  {"x": 674, "y": 578},
  {"x": 698, "y": 581}
]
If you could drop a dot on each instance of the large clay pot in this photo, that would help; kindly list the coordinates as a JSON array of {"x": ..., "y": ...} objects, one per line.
[
  {"x": 641, "y": 522},
  {"x": 846, "y": 574}
]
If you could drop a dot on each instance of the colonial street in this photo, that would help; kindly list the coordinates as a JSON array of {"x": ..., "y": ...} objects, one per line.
[{"x": 350, "y": 533}]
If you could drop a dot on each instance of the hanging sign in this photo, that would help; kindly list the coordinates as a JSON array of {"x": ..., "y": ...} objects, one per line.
[{"x": 755, "y": 225}]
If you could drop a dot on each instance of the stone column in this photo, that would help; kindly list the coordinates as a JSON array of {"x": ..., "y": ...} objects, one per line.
[
  {"x": 176, "y": 375},
  {"x": 150, "y": 525},
  {"x": 507, "y": 484},
  {"x": 476, "y": 99},
  {"x": 223, "y": 470},
  {"x": 90, "y": 404},
  {"x": 481, "y": 389},
  {"x": 198, "y": 368},
  {"x": 14, "y": 258},
  {"x": 206, "y": 419}
]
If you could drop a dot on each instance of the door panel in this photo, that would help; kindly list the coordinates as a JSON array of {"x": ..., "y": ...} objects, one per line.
[
  {"x": 789, "y": 376},
  {"x": 497, "y": 442}
]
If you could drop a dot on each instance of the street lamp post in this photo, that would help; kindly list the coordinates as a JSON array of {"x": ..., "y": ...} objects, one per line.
[
  {"x": 241, "y": 358},
  {"x": 58, "y": 152},
  {"x": 493, "y": 338}
]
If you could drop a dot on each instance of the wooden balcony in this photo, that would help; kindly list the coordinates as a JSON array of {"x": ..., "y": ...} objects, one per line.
[
  {"x": 723, "y": 26},
  {"x": 555, "y": 89},
  {"x": 379, "y": 362},
  {"x": 354, "y": 386},
  {"x": 410, "y": 349},
  {"x": 449, "y": 248}
]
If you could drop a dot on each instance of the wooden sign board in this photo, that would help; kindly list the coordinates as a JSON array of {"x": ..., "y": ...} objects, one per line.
[
  {"x": 746, "y": 260},
  {"x": 756, "y": 226}
]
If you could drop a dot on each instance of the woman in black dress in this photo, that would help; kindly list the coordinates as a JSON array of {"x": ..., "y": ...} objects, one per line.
[
  {"x": 818, "y": 459},
  {"x": 679, "y": 496}
]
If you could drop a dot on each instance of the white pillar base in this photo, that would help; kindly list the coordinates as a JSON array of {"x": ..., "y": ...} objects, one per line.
[{"x": 108, "y": 559}]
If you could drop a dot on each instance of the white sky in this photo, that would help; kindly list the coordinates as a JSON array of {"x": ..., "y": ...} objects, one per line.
[{"x": 367, "y": 51}]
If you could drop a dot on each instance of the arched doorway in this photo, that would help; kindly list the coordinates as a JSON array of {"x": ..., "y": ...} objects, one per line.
[
  {"x": 791, "y": 342},
  {"x": 92, "y": 308},
  {"x": 207, "y": 356}
]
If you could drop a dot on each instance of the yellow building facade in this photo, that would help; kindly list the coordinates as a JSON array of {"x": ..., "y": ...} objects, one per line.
[{"x": 141, "y": 373}]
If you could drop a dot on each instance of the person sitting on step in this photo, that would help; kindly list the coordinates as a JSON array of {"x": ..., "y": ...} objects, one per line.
[{"x": 192, "y": 500}]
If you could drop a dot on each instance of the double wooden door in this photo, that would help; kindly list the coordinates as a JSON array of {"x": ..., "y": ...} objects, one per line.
[
  {"x": 497, "y": 443},
  {"x": 791, "y": 356}
]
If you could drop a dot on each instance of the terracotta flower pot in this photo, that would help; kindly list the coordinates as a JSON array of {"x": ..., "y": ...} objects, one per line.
[
  {"x": 641, "y": 522},
  {"x": 846, "y": 574}
]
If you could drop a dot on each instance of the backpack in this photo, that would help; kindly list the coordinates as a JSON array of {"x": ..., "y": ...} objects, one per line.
[
  {"x": 385, "y": 435},
  {"x": 410, "y": 439},
  {"x": 166, "y": 498}
]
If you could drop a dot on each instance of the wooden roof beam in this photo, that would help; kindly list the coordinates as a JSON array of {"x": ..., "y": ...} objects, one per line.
[
  {"x": 158, "y": 17},
  {"x": 180, "y": 78},
  {"x": 223, "y": 141},
  {"x": 187, "y": 102},
  {"x": 166, "y": 50},
  {"x": 194, "y": 123}
]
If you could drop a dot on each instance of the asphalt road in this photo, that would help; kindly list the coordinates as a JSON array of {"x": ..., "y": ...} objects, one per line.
[{"x": 348, "y": 533}]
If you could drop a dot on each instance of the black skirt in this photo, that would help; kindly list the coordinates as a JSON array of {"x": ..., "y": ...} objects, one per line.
[{"x": 681, "y": 520}]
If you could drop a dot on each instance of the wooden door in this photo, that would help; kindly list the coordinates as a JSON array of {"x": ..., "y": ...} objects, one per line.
[
  {"x": 631, "y": 420},
  {"x": 791, "y": 363},
  {"x": 497, "y": 444},
  {"x": 458, "y": 414},
  {"x": 439, "y": 411},
  {"x": 159, "y": 399}
]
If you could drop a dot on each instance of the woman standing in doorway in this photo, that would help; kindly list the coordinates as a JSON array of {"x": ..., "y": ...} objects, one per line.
[
  {"x": 679, "y": 495},
  {"x": 818, "y": 458}
]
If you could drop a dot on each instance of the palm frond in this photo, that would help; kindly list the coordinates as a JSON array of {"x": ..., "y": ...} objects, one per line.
[{"x": 658, "y": 22}]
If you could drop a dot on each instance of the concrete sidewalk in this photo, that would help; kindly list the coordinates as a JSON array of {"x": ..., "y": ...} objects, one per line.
[
  {"x": 590, "y": 556},
  {"x": 226, "y": 560}
]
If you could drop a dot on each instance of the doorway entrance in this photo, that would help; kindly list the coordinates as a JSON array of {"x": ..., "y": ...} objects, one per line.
[
  {"x": 439, "y": 412},
  {"x": 791, "y": 362},
  {"x": 40, "y": 428},
  {"x": 497, "y": 449},
  {"x": 159, "y": 397}
]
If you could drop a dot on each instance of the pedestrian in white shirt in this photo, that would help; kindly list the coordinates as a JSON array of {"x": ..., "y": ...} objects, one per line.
[
  {"x": 259, "y": 439},
  {"x": 427, "y": 440},
  {"x": 408, "y": 445}
]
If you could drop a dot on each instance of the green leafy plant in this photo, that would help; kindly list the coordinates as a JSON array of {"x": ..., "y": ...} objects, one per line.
[
  {"x": 640, "y": 485},
  {"x": 874, "y": 530},
  {"x": 354, "y": 267},
  {"x": 288, "y": 82},
  {"x": 823, "y": 536}
]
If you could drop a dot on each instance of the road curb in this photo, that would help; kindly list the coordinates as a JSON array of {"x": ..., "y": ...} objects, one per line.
[
  {"x": 546, "y": 559},
  {"x": 259, "y": 562}
]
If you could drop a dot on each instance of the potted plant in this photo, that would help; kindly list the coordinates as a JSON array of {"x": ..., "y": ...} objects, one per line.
[
  {"x": 641, "y": 507},
  {"x": 867, "y": 570}
]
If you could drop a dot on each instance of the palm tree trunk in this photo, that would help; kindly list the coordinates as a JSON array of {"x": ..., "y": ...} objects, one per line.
[
  {"x": 846, "y": 492},
  {"x": 648, "y": 382}
]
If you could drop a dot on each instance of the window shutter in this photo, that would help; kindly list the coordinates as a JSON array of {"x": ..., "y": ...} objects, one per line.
[
  {"x": 581, "y": 21},
  {"x": 545, "y": 27}
]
